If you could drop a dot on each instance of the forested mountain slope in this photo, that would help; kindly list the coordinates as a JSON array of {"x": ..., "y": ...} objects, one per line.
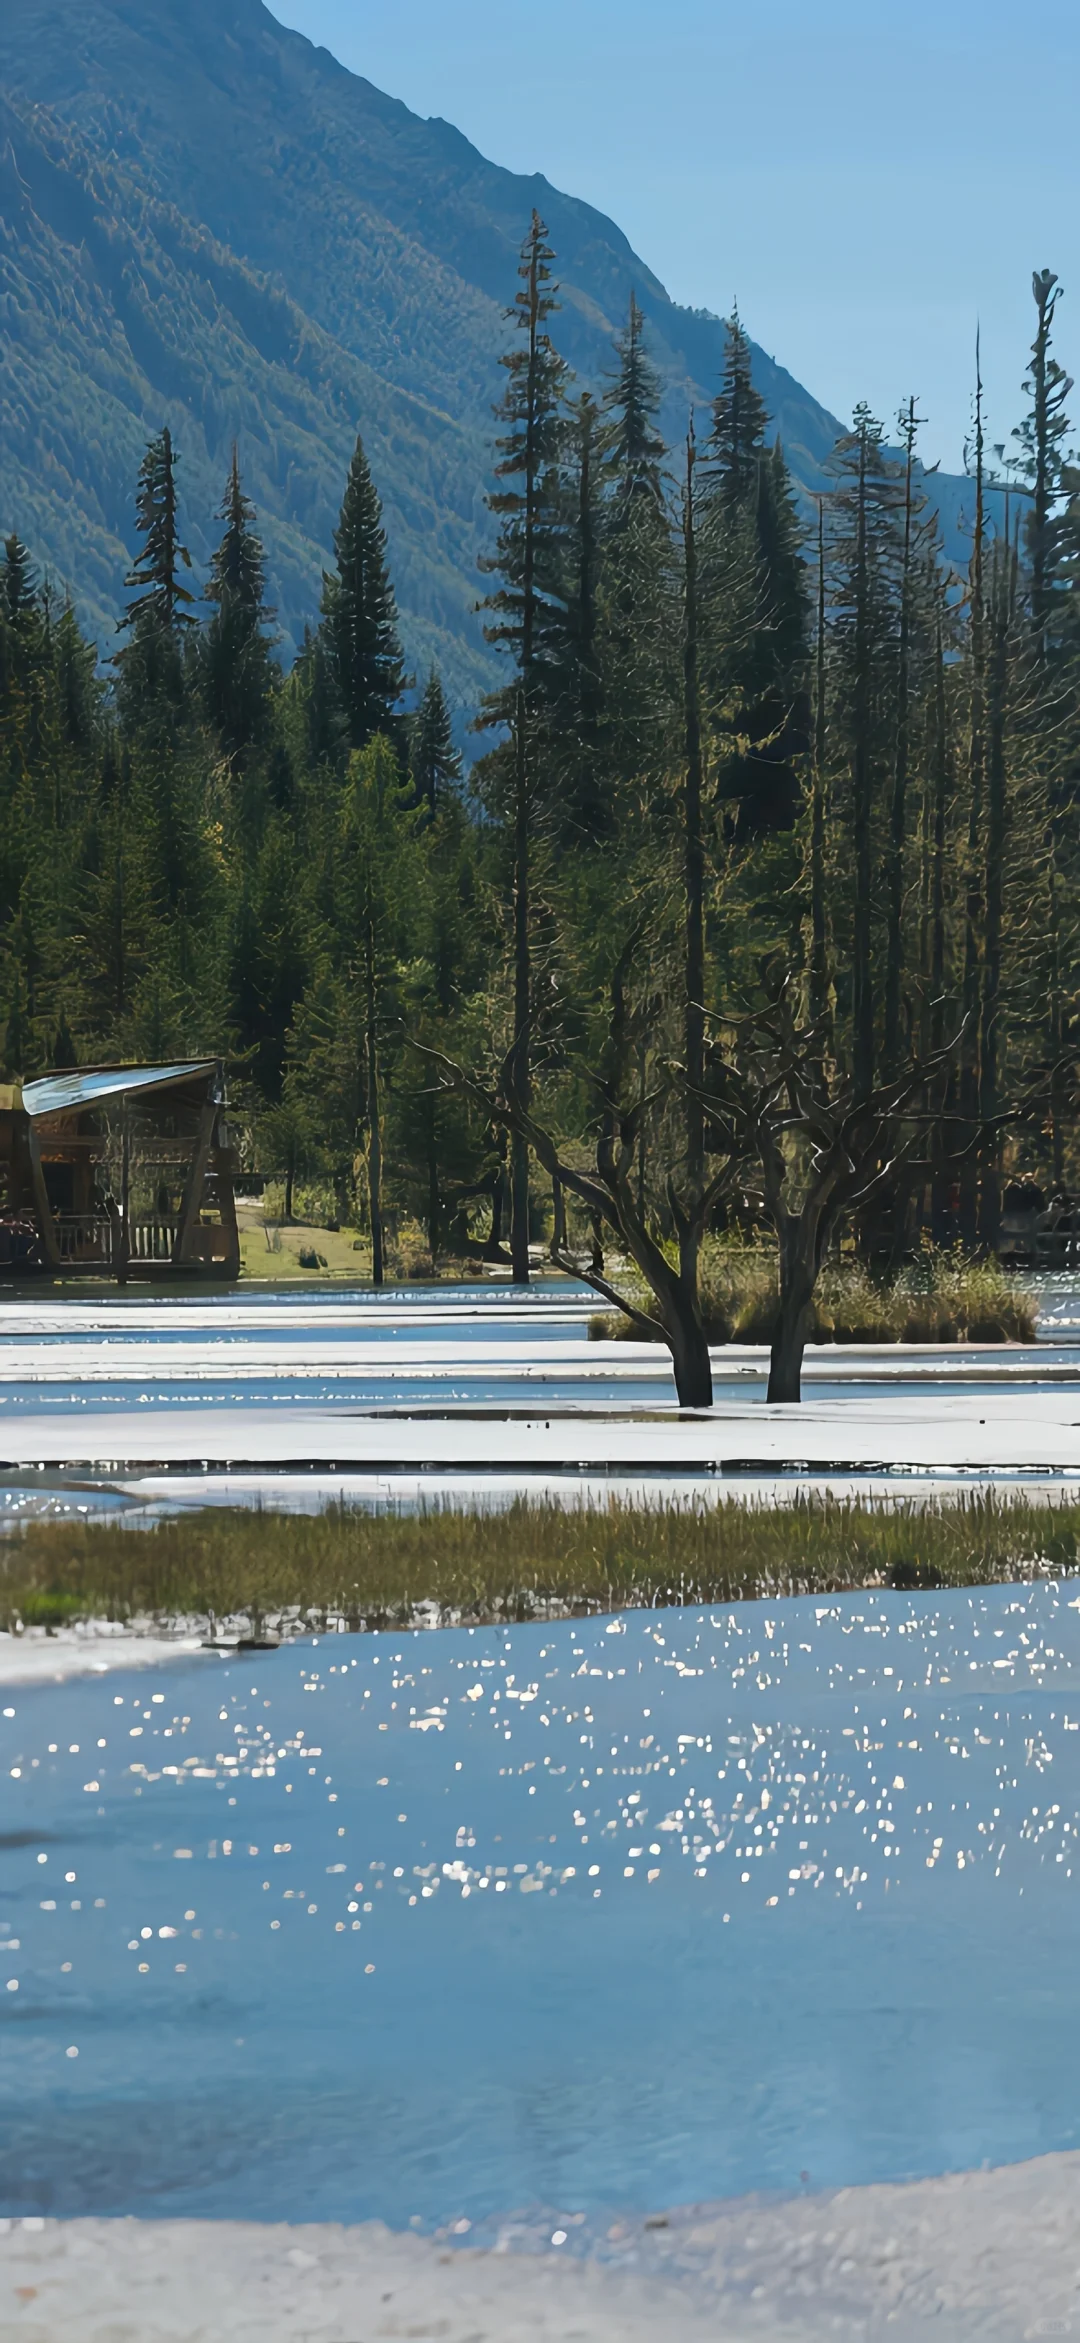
[{"x": 205, "y": 219}]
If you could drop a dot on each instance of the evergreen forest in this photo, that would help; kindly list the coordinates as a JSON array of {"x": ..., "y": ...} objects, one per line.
[{"x": 767, "y": 870}]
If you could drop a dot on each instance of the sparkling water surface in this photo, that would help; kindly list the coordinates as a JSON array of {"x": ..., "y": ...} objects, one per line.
[{"x": 605, "y": 1914}]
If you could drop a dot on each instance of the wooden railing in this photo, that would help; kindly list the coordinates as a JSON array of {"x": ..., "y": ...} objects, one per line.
[
  {"x": 96, "y": 1237},
  {"x": 152, "y": 1240},
  {"x": 85, "y": 1237}
]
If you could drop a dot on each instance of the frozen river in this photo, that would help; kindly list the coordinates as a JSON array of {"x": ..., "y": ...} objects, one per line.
[
  {"x": 301, "y": 1395},
  {"x": 606, "y": 1915}
]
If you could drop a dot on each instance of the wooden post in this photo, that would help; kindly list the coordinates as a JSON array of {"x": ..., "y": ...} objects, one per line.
[
  {"x": 123, "y": 1250},
  {"x": 230, "y": 1267},
  {"x": 193, "y": 1185},
  {"x": 46, "y": 1223}
]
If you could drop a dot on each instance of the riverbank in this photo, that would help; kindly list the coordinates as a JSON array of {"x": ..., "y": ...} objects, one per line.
[
  {"x": 974, "y": 2257},
  {"x": 235, "y": 1572}
]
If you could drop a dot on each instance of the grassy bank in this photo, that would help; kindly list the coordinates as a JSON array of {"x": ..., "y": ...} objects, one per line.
[
  {"x": 362, "y": 1571},
  {"x": 941, "y": 1297}
]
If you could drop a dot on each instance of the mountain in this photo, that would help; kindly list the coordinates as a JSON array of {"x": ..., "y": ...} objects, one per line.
[{"x": 206, "y": 220}]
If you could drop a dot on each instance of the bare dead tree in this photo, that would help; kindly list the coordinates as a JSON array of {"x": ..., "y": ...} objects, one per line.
[
  {"x": 812, "y": 1146},
  {"x": 609, "y": 1190}
]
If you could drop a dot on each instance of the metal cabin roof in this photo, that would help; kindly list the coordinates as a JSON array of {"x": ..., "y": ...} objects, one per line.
[{"x": 86, "y": 1086}]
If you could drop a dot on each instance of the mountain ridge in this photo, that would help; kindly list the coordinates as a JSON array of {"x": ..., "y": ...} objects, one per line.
[{"x": 241, "y": 236}]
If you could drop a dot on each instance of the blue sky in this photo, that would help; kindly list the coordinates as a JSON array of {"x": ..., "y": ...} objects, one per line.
[{"x": 866, "y": 180}]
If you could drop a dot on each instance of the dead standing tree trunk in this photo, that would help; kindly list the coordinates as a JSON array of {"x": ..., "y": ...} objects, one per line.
[
  {"x": 818, "y": 1148},
  {"x": 610, "y": 1191}
]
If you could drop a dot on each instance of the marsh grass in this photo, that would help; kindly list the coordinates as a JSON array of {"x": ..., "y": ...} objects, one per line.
[
  {"x": 536, "y": 1560},
  {"x": 941, "y": 1296}
]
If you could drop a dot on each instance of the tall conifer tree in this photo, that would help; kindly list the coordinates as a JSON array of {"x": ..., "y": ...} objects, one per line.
[
  {"x": 434, "y": 762},
  {"x": 866, "y": 559},
  {"x": 1041, "y": 437},
  {"x": 635, "y": 448},
  {"x": 161, "y": 600},
  {"x": 754, "y": 613},
  {"x": 360, "y": 615},
  {"x": 19, "y": 597},
  {"x": 237, "y": 667},
  {"x": 637, "y": 632},
  {"x": 527, "y": 617}
]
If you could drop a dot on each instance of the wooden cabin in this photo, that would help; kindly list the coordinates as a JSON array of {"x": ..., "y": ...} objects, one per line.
[{"x": 118, "y": 1172}]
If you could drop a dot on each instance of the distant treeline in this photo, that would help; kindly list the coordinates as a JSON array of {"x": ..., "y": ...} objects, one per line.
[{"x": 725, "y": 744}]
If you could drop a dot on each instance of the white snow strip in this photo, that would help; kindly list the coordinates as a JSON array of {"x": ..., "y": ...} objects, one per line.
[
  {"x": 942, "y": 1430},
  {"x": 976, "y": 2257},
  {"x": 416, "y": 1353},
  {"x": 93, "y": 1649}
]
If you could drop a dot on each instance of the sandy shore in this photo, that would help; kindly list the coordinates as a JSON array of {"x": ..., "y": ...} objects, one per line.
[{"x": 992, "y": 2256}]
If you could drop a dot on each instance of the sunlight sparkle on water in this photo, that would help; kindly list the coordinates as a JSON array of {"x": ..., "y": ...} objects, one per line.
[{"x": 602, "y": 1914}]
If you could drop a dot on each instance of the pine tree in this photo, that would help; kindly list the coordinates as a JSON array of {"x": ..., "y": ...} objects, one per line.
[
  {"x": 1041, "y": 437},
  {"x": 528, "y": 616},
  {"x": 379, "y": 841},
  {"x": 635, "y": 449},
  {"x": 312, "y": 694},
  {"x": 161, "y": 601},
  {"x": 528, "y": 607},
  {"x": 739, "y": 424},
  {"x": 866, "y": 558},
  {"x": 583, "y": 798},
  {"x": 819, "y": 974},
  {"x": 434, "y": 762},
  {"x": 1000, "y": 666},
  {"x": 236, "y": 662},
  {"x": 360, "y": 616},
  {"x": 19, "y": 589},
  {"x": 780, "y": 538},
  {"x": 238, "y": 567},
  {"x": 637, "y": 626},
  {"x": 754, "y": 615},
  {"x": 79, "y": 693},
  {"x": 894, "y": 857}
]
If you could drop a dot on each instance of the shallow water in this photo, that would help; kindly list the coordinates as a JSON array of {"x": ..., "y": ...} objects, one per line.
[
  {"x": 403, "y": 1955},
  {"x": 311, "y": 1395}
]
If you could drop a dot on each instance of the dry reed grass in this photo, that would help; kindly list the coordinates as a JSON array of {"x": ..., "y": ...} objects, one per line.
[
  {"x": 535, "y": 1560},
  {"x": 939, "y": 1297}
]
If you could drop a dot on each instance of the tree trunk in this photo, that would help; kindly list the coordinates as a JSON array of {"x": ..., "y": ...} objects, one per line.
[
  {"x": 786, "y": 1355},
  {"x": 894, "y": 950},
  {"x": 862, "y": 784},
  {"x": 694, "y": 851},
  {"x": 519, "y": 1145},
  {"x": 689, "y": 1355},
  {"x": 818, "y": 999},
  {"x": 996, "y": 817},
  {"x": 123, "y": 1250},
  {"x": 643, "y": 1075},
  {"x": 973, "y": 909},
  {"x": 799, "y": 1242},
  {"x": 558, "y": 1218},
  {"x": 289, "y": 1181},
  {"x": 935, "y": 1035},
  {"x": 493, "y": 1250},
  {"x": 374, "y": 1120},
  {"x": 1057, "y": 1017},
  {"x": 434, "y": 1207}
]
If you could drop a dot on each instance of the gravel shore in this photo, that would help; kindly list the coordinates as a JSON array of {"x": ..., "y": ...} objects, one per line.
[{"x": 976, "y": 2257}]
